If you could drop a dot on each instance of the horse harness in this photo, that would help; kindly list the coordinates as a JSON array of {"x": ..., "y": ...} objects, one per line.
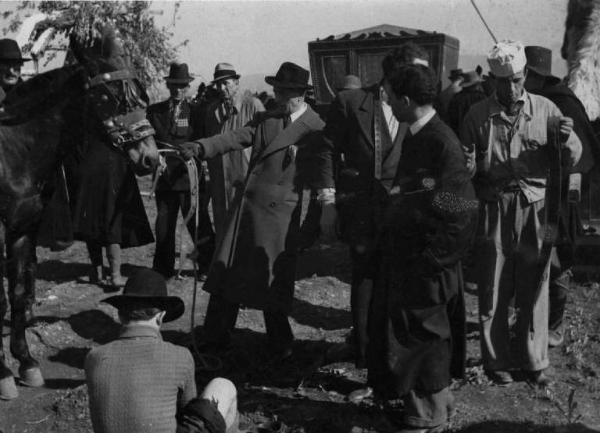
[{"x": 129, "y": 125}]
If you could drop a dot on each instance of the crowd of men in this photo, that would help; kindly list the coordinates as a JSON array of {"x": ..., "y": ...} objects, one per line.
[{"x": 425, "y": 187}]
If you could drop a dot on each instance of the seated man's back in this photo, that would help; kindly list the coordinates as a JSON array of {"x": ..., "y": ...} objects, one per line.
[{"x": 137, "y": 382}]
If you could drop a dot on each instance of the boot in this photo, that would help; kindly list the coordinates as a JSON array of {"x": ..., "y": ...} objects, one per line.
[
  {"x": 95, "y": 253},
  {"x": 113, "y": 253}
]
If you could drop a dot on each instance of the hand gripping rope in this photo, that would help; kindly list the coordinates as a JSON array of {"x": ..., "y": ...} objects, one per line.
[{"x": 204, "y": 362}]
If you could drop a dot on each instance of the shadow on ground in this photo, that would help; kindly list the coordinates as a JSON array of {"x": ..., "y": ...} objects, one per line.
[
  {"x": 525, "y": 427},
  {"x": 320, "y": 317}
]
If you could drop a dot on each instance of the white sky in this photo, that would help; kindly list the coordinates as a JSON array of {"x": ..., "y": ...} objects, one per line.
[{"x": 257, "y": 36}]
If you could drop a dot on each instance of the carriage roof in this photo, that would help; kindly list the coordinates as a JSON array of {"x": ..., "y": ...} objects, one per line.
[{"x": 360, "y": 52}]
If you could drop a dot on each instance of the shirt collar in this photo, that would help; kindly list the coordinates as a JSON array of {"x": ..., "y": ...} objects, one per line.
[
  {"x": 296, "y": 114},
  {"x": 134, "y": 330},
  {"x": 497, "y": 109},
  {"x": 420, "y": 123}
]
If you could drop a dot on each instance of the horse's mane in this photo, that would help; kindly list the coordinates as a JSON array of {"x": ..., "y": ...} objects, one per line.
[
  {"x": 581, "y": 49},
  {"x": 41, "y": 93}
]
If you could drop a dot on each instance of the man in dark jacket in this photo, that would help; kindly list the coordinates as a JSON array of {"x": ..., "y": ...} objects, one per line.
[
  {"x": 416, "y": 265},
  {"x": 170, "y": 120},
  {"x": 367, "y": 139},
  {"x": 540, "y": 81},
  {"x": 471, "y": 93},
  {"x": 11, "y": 61},
  {"x": 255, "y": 262}
]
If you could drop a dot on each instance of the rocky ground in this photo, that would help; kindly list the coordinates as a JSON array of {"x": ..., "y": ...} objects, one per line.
[{"x": 306, "y": 394}]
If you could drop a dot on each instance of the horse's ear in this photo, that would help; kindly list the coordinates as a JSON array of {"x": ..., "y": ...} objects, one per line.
[
  {"x": 110, "y": 45},
  {"x": 77, "y": 47}
]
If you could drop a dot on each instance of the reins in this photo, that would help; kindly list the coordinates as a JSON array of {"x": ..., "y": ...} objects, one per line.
[{"x": 206, "y": 362}]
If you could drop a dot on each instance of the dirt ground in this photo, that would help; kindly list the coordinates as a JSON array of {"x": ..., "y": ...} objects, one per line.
[{"x": 305, "y": 394}]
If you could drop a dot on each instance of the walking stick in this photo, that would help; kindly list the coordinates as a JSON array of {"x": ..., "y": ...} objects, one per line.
[
  {"x": 552, "y": 204},
  {"x": 205, "y": 362}
]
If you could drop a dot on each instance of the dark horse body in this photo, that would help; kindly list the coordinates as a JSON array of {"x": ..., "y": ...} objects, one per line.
[{"x": 45, "y": 120}]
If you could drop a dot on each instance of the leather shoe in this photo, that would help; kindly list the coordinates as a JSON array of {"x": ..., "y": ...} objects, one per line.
[
  {"x": 499, "y": 377},
  {"x": 538, "y": 377},
  {"x": 359, "y": 395},
  {"x": 556, "y": 337}
]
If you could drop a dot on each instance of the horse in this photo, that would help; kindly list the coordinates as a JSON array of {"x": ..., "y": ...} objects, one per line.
[{"x": 43, "y": 121}]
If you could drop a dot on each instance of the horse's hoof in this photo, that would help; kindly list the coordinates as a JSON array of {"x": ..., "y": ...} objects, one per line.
[
  {"x": 8, "y": 388},
  {"x": 32, "y": 377}
]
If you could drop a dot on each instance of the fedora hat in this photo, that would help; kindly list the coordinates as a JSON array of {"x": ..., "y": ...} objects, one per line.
[
  {"x": 224, "y": 71},
  {"x": 148, "y": 287},
  {"x": 289, "y": 76},
  {"x": 179, "y": 74},
  {"x": 455, "y": 74},
  {"x": 470, "y": 79},
  {"x": 539, "y": 60},
  {"x": 350, "y": 82},
  {"x": 9, "y": 50}
]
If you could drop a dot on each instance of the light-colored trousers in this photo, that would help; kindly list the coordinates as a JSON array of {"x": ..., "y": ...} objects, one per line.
[{"x": 508, "y": 244}]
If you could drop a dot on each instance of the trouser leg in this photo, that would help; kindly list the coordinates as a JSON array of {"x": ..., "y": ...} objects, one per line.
[
  {"x": 279, "y": 331},
  {"x": 220, "y": 319},
  {"x": 167, "y": 208},
  {"x": 531, "y": 292},
  {"x": 95, "y": 253},
  {"x": 426, "y": 409},
  {"x": 495, "y": 285},
  {"x": 559, "y": 287},
  {"x": 360, "y": 300}
]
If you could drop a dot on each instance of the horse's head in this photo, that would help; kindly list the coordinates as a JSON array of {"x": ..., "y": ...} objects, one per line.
[{"x": 117, "y": 100}]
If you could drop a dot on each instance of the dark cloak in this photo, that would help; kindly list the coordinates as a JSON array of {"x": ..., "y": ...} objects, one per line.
[{"x": 416, "y": 321}]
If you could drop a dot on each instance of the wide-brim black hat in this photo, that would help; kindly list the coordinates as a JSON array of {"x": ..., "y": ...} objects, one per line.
[
  {"x": 179, "y": 74},
  {"x": 224, "y": 71},
  {"x": 471, "y": 78},
  {"x": 148, "y": 287},
  {"x": 9, "y": 50},
  {"x": 539, "y": 60},
  {"x": 455, "y": 73},
  {"x": 290, "y": 76}
]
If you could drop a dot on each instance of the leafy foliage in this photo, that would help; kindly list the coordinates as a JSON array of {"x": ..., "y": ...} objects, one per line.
[{"x": 146, "y": 46}]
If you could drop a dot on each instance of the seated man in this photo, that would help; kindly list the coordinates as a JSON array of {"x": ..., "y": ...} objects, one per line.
[{"x": 141, "y": 384}]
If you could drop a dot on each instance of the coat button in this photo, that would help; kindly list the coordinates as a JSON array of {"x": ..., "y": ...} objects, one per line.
[{"x": 272, "y": 204}]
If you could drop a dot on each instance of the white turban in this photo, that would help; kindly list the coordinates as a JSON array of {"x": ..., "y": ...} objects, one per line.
[{"x": 507, "y": 58}]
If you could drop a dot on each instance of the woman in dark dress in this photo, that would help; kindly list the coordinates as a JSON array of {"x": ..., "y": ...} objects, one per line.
[{"x": 107, "y": 208}]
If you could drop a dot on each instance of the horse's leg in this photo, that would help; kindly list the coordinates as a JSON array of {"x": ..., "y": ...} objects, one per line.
[
  {"x": 21, "y": 289},
  {"x": 8, "y": 389}
]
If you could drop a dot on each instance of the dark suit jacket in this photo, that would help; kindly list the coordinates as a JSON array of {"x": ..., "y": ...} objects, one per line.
[
  {"x": 175, "y": 177},
  {"x": 255, "y": 262},
  {"x": 350, "y": 132}
]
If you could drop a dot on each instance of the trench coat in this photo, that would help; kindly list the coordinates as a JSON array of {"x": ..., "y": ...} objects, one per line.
[
  {"x": 415, "y": 334},
  {"x": 255, "y": 262}
]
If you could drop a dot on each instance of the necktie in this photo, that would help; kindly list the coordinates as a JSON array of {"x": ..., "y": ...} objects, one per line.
[
  {"x": 175, "y": 116},
  {"x": 286, "y": 121}
]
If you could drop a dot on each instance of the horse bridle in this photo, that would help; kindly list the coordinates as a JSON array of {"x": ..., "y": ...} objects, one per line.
[{"x": 124, "y": 128}]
